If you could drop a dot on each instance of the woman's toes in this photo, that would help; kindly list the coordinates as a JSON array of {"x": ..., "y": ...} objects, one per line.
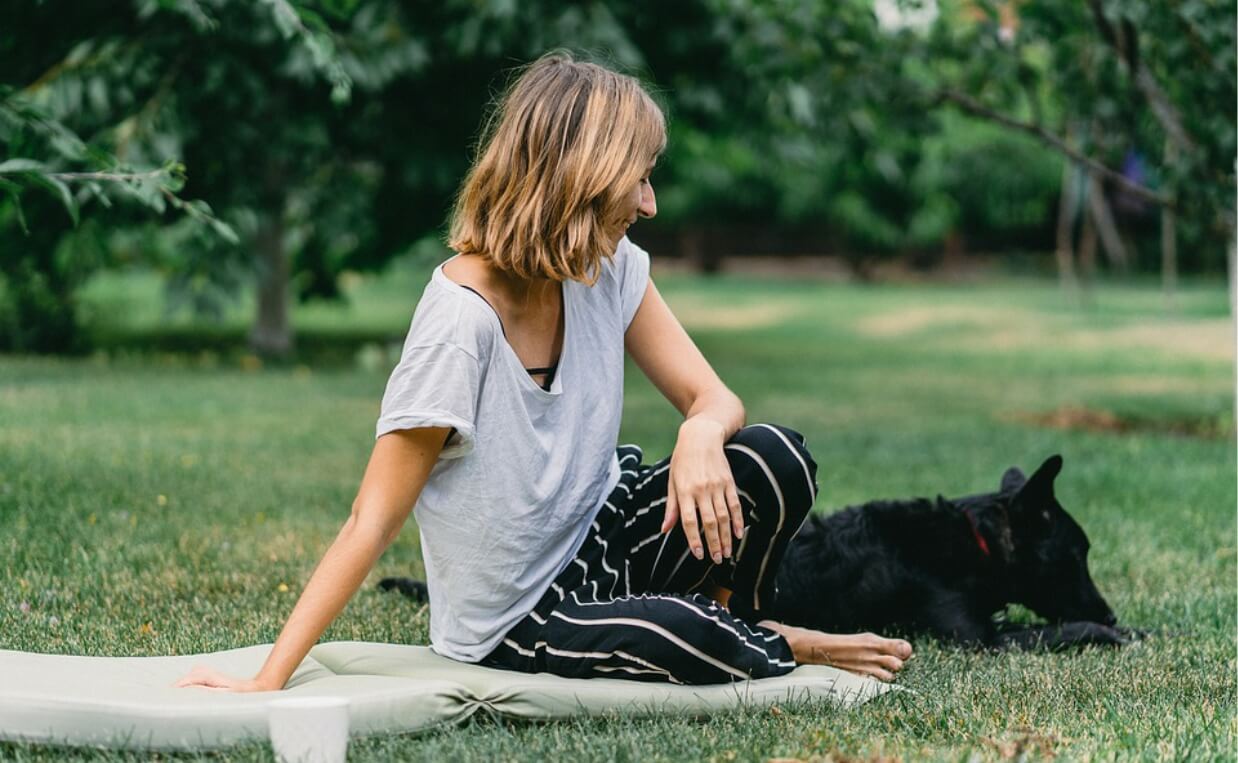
[
  {"x": 890, "y": 663},
  {"x": 895, "y": 646}
]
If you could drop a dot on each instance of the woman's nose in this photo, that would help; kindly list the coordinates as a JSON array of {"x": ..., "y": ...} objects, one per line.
[{"x": 648, "y": 204}]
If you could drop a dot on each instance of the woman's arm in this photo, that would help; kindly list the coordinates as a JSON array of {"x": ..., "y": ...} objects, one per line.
[
  {"x": 668, "y": 356},
  {"x": 399, "y": 466},
  {"x": 700, "y": 480}
]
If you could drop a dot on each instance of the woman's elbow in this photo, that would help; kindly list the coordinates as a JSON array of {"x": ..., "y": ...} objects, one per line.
[{"x": 368, "y": 528}]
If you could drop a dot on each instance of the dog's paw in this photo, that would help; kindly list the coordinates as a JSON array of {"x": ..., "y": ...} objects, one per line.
[
  {"x": 1132, "y": 634},
  {"x": 413, "y": 589},
  {"x": 1106, "y": 635}
]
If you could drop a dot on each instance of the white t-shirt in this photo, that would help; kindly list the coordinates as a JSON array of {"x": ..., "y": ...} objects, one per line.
[{"x": 513, "y": 494}]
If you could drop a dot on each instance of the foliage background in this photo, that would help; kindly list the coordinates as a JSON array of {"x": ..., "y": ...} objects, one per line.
[{"x": 230, "y": 145}]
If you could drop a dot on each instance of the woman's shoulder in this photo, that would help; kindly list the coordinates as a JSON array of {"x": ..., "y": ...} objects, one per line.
[
  {"x": 627, "y": 262},
  {"x": 621, "y": 283},
  {"x": 448, "y": 314}
]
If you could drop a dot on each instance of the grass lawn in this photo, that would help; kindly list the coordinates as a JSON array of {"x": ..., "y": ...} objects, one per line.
[{"x": 166, "y": 504}]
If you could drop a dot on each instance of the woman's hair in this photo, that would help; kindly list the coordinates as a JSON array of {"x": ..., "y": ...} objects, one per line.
[{"x": 564, "y": 148}]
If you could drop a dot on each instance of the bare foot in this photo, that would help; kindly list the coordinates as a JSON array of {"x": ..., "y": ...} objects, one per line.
[{"x": 863, "y": 653}]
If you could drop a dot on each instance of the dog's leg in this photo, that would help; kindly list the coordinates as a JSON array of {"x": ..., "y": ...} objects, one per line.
[
  {"x": 1062, "y": 636},
  {"x": 950, "y": 616}
]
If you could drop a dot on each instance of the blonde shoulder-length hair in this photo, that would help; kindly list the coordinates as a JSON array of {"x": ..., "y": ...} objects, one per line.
[{"x": 566, "y": 144}]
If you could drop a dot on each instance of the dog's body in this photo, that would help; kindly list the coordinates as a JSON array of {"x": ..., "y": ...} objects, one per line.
[
  {"x": 939, "y": 567},
  {"x": 946, "y": 567}
]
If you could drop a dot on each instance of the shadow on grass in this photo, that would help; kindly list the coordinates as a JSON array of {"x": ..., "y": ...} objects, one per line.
[
  {"x": 1209, "y": 427},
  {"x": 230, "y": 346}
]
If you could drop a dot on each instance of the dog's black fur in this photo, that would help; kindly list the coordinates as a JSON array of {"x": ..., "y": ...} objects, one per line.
[
  {"x": 942, "y": 567},
  {"x": 946, "y": 567}
]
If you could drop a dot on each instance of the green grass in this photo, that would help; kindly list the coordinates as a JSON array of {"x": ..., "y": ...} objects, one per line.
[{"x": 153, "y": 503}]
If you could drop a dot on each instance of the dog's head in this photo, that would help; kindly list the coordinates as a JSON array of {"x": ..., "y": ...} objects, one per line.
[{"x": 1049, "y": 560}]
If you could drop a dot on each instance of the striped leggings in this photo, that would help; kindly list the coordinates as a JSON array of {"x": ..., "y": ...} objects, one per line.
[{"x": 629, "y": 604}]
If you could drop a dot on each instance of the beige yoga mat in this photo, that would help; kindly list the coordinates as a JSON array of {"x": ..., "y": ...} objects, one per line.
[{"x": 129, "y": 702}]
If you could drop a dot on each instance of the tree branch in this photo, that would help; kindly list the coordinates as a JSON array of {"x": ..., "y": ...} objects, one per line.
[
  {"x": 1121, "y": 39},
  {"x": 113, "y": 177},
  {"x": 972, "y": 106}
]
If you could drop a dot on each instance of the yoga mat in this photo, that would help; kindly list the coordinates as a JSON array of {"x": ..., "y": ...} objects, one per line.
[{"x": 130, "y": 703}]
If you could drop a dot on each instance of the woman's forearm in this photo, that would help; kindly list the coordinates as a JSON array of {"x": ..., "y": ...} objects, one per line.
[
  {"x": 336, "y": 578},
  {"x": 719, "y": 405}
]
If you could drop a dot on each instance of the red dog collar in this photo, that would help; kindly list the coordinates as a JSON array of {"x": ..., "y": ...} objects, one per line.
[{"x": 975, "y": 531}]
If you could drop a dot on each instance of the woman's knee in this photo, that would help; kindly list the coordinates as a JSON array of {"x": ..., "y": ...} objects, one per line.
[{"x": 783, "y": 452}]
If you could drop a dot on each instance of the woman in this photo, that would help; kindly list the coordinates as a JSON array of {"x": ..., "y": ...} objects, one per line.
[{"x": 546, "y": 547}]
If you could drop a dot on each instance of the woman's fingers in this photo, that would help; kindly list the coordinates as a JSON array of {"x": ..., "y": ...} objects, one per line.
[
  {"x": 709, "y": 524},
  {"x": 691, "y": 527},
  {"x": 706, "y": 522},
  {"x": 723, "y": 515},
  {"x": 193, "y": 677},
  {"x": 669, "y": 519},
  {"x": 201, "y": 676},
  {"x": 737, "y": 511}
]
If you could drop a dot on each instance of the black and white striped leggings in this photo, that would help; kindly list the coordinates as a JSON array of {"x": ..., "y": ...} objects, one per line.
[{"x": 628, "y": 605}]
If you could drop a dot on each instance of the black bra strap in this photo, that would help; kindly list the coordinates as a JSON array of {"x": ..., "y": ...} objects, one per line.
[{"x": 496, "y": 312}]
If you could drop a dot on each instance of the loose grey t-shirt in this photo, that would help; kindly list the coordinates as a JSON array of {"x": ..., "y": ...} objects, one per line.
[{"x": 513, "y": 494}]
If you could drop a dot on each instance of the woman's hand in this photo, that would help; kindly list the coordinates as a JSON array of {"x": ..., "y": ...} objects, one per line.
[
  {"x": 700, "y": 481},
  {"x": 209, "y": 678}
]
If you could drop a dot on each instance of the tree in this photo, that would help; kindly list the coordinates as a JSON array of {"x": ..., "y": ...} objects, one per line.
[
  {"x": 1104, "y": 79},
  {"x": 330, "y": 135},
  {"x": 342, "y": 126},
  {"x": 52, "y": 178}
]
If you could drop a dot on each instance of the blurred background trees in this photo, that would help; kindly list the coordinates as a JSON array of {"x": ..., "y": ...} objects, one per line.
[{"x": 273, "y": 145}]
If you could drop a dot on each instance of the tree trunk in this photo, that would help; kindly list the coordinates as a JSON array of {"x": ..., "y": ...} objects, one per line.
[
  {"x": 1231, "y": 252},
  {"x": 1102, "y": 218},
  {"x": 693, "y": 248},
  {"x": 1169, "y": 256},
  {"x": 1231, "y": 268},
  {"x": 1169, "y": 238},
  {"x": 1087, "y": 254},
  {"x": 271, "y": 335},
  {"x": 1067, "y": 210}
]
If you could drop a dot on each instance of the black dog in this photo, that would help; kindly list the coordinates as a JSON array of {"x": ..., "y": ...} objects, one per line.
[
  {"x": 939, "y": 567},
  {"x": 945, "y": 568}
]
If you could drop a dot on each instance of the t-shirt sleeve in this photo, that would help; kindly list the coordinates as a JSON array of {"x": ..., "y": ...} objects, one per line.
[
  {"x": 434, "y": 385},
  {"x": 634, "y": 280}
]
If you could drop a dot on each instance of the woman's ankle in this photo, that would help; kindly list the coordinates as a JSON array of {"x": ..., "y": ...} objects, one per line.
[{"x": 787, "y": 632}]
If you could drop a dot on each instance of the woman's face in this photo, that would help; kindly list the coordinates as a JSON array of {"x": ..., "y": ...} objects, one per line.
[{"x": 640, "y": 201}]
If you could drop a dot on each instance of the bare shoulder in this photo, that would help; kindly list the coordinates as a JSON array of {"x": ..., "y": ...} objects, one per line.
[{"x": 468, "y": 270}]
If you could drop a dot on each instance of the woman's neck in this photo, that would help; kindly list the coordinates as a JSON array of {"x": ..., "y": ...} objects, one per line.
[{"x": 519, "y": 295}]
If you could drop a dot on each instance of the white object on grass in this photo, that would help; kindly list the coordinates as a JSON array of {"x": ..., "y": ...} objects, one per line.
[{"x": 309, "y": 729}]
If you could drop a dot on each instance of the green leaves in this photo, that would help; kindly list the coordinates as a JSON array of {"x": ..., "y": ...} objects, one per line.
[
  {"x": 156, "y": 189},
  {"x": 28, "y": 172},
  {"x": 316, "y": 38}
]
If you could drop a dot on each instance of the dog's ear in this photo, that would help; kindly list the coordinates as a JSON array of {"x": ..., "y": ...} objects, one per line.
[
  {"x": 1013, "y": 479},
  {"x": 1037, "y": 492}
]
